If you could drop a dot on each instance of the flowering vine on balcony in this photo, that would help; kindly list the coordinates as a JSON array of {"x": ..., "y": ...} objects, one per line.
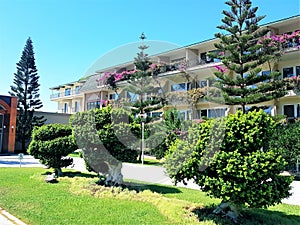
[
  {"x": 111, "y": 79},
  {"x": 281, "y": 42},
  {"x": 294, "y": 81}
]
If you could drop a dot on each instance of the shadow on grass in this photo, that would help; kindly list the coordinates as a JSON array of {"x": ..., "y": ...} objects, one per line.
[
  {"x": 151, "y": 187},
  {"x": 149, "y": 162},
  {"x": 72, "y": 174},
  {"x": 249, "y": 217}
]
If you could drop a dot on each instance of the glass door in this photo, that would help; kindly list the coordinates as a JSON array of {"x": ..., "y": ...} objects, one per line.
[{"x": 1, "y": 130}]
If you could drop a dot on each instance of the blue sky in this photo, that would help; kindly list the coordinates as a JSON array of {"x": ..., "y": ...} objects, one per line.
[{"x": 69, "y": 36}]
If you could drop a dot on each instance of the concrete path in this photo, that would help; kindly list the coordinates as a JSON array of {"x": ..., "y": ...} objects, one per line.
[
  {"x": 8, "y": 219},
  {"x": 13, "y": 161}
]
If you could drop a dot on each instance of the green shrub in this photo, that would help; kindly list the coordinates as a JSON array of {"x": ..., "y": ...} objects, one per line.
[
  {"x": 286, "y": 139},
  {"x": 107, "y": 138},
  {"x": 229, "y": 161},
  {"x": 51, "y": 144},
  {"x": 166, "y": 132}
]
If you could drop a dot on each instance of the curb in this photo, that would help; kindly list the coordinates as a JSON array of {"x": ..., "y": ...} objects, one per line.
[{"x": 10, "y": 218}]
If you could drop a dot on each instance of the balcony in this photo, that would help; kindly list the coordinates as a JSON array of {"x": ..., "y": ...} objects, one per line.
[
  {"x": 182, "y": 66},
  {"x": 64, "y": 94}
]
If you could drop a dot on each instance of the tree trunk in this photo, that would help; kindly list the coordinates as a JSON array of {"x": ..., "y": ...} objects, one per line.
[
  {"x": 115, "y": 176},
  {"x": 140, "y": 155},
  {"x": 23, "y": 141},
  {"x": 228, "y": 209},
  {"x": 58, "y": 172}
]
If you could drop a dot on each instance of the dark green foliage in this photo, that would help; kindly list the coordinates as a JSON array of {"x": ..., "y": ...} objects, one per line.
[
  {"x": 228, "y": 160},
  {"x": 169, "y": 129},
  {"x": 240, "y": 82},
  {"x": 147, "y": 88},
  {"x": 142, "y": 84},
  {"x": 26, "y": 88},
  {"x": 51, "y": 144},
  {"x": 111, "y": 130},
  {"x": 286, "y": 138}
]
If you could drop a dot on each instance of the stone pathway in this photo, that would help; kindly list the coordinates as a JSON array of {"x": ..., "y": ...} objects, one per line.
[{"x": 8, "y": 219}]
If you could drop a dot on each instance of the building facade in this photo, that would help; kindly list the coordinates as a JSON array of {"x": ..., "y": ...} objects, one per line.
[
  {"x": 8, "y": 117},
  {"x": 89, "y": 92}
]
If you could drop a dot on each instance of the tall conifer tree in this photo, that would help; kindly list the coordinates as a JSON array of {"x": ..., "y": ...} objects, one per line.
[
  {"x": 145, "y": 87},
  {"x": 241, "y": 81},
  {"x": 143, "y": 84},
  {"x": 26, "y": 88}
]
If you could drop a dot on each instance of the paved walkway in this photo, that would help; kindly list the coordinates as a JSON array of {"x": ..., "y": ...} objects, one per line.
[{"x": 8, "y": 219}]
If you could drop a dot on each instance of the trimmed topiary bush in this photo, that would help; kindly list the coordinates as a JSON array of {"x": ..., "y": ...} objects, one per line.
[
  {"x": 227, "y": 158},
  {"x": 107, "y": 138},
  {"x": 51, "y": 144}
]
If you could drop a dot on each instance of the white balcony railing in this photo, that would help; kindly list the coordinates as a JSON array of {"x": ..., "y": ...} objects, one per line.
[{"x": 64, "y": 94}]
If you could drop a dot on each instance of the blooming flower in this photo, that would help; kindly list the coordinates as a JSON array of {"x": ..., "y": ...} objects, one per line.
[{"x": 221, "y": 69}]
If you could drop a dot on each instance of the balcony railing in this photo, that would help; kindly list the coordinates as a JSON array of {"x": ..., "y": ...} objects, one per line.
[
  {"x": 64, "y": 94},
  {"x": 183, "y": 65}
]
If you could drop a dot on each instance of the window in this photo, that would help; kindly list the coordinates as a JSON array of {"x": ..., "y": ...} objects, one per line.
[
  {"x": 268, "y": 110},
  {"x": 67, "y": 91},
  {"x": 266, "y": 73},
  {"x": 133, "y": 97},
  {"x": 77, "y": 89},
  {"x": 203, "y": 113},
  {"x": 93, "y": 105},
  {"x": 214, "y": 113},
  {"x": 76, "y": 108},
  {"x": 203, "y": 83},
  {"x": 113, "y": 96},
  {"x": 297, "y": 70},
  {"x": 182, "y": 115},
  {"x": 154, "y": 114},
  {"x": 179, "y": 87},
  {"x": 288, "y": 72},
  {"x": 291, "y": 111},
  {"x": 189, "y": 114},
  {"x": 203, "y": 56},
  {"x": 288, "y": 110},
  {"x": 66, "y": 108},
  {"x": 215, "y": 60},
  {"x": 189, "y": 86}
]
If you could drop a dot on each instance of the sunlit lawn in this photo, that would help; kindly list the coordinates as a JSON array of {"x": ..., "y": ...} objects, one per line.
[{"x": 76, "y": 199}]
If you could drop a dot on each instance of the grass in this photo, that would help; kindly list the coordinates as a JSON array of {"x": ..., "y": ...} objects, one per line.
[
  {"x": 151, "y": 161},
  {"x": 77, "y": 200},
  {"x": 74, "y": 154}
]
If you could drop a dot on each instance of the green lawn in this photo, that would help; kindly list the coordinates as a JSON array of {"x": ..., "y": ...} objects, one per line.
[{"x": 77, "y": 200}]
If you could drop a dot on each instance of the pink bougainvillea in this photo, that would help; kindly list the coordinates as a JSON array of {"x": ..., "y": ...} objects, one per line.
[
  {"x": 104, "y": 102},
  {"x": 221, "y": 69},
  {"x": 282, "y": 41}
]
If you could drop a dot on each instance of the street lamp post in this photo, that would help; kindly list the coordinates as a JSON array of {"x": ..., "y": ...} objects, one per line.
[{"x": 143, "y": 141}]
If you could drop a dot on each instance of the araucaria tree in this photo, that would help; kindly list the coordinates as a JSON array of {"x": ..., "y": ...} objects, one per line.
[
  {"x": 243, "y": 54},
  {"x": 143, "y": 92},
  {"x": 26, "y": 88}
]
